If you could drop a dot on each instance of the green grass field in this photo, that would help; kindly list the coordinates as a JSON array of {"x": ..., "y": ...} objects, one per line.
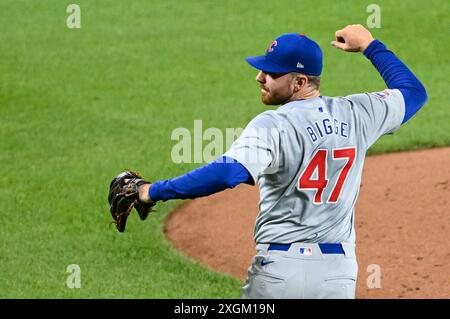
[{"x": 79, "y": 105}]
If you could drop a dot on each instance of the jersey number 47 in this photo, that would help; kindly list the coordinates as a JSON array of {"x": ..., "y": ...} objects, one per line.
[{"x": 319, "y": 163}]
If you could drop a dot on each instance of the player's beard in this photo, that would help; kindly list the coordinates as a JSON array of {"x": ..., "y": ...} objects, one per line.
[{"x": 273, "y": 98}]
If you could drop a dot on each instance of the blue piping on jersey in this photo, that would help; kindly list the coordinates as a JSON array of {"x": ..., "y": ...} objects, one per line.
[{"x": 397, "y": 76}]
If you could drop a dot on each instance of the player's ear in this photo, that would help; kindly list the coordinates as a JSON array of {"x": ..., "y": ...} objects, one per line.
[{"x": 300, "y": 81}]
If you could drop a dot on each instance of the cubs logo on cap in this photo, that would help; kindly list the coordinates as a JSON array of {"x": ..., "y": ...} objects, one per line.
[
  {"x": 272, "y": 45},
  {"x": 290, "y": 52}
]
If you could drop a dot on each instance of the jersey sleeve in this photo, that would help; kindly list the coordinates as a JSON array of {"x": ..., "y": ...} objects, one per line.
[
  {"x": 377, "y": 113},
  {"x": 257, "y": 148}
]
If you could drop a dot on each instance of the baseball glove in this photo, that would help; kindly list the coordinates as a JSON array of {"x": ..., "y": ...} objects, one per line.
[{"x": 124, "y": 195}]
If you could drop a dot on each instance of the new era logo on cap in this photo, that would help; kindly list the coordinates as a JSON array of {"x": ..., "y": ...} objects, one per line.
[{"x": 290, "y": 52}]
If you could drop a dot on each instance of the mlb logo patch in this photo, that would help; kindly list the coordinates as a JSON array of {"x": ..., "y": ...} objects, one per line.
[
  {"x": 382, "y": 95},
  {"x": 305, "y": 251}
]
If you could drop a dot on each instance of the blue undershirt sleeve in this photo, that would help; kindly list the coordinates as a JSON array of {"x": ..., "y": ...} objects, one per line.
[
  {"x": 214, "y": 177},
  {"x": 397, "y": 76}
]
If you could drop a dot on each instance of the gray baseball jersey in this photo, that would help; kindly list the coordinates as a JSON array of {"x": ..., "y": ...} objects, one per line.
[{"x": 307, "y": 157}]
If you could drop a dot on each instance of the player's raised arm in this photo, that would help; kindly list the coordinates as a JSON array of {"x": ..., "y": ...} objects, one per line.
[{"x": 356, "y": 38}]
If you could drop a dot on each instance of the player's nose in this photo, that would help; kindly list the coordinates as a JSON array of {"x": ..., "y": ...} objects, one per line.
[{"x": 261, "y": 77}]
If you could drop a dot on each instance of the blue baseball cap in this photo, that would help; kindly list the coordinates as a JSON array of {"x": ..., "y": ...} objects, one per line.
[{"x": 290, "y": 52}]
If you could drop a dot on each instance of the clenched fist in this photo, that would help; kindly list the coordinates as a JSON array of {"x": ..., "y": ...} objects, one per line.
[{"x": 353, "y": 38}]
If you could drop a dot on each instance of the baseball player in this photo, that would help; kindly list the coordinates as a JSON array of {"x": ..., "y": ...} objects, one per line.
[{"x": 307, "y": 157}]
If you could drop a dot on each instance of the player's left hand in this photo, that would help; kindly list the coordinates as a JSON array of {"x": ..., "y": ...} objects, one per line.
[{"x": 125, "y": 192}]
